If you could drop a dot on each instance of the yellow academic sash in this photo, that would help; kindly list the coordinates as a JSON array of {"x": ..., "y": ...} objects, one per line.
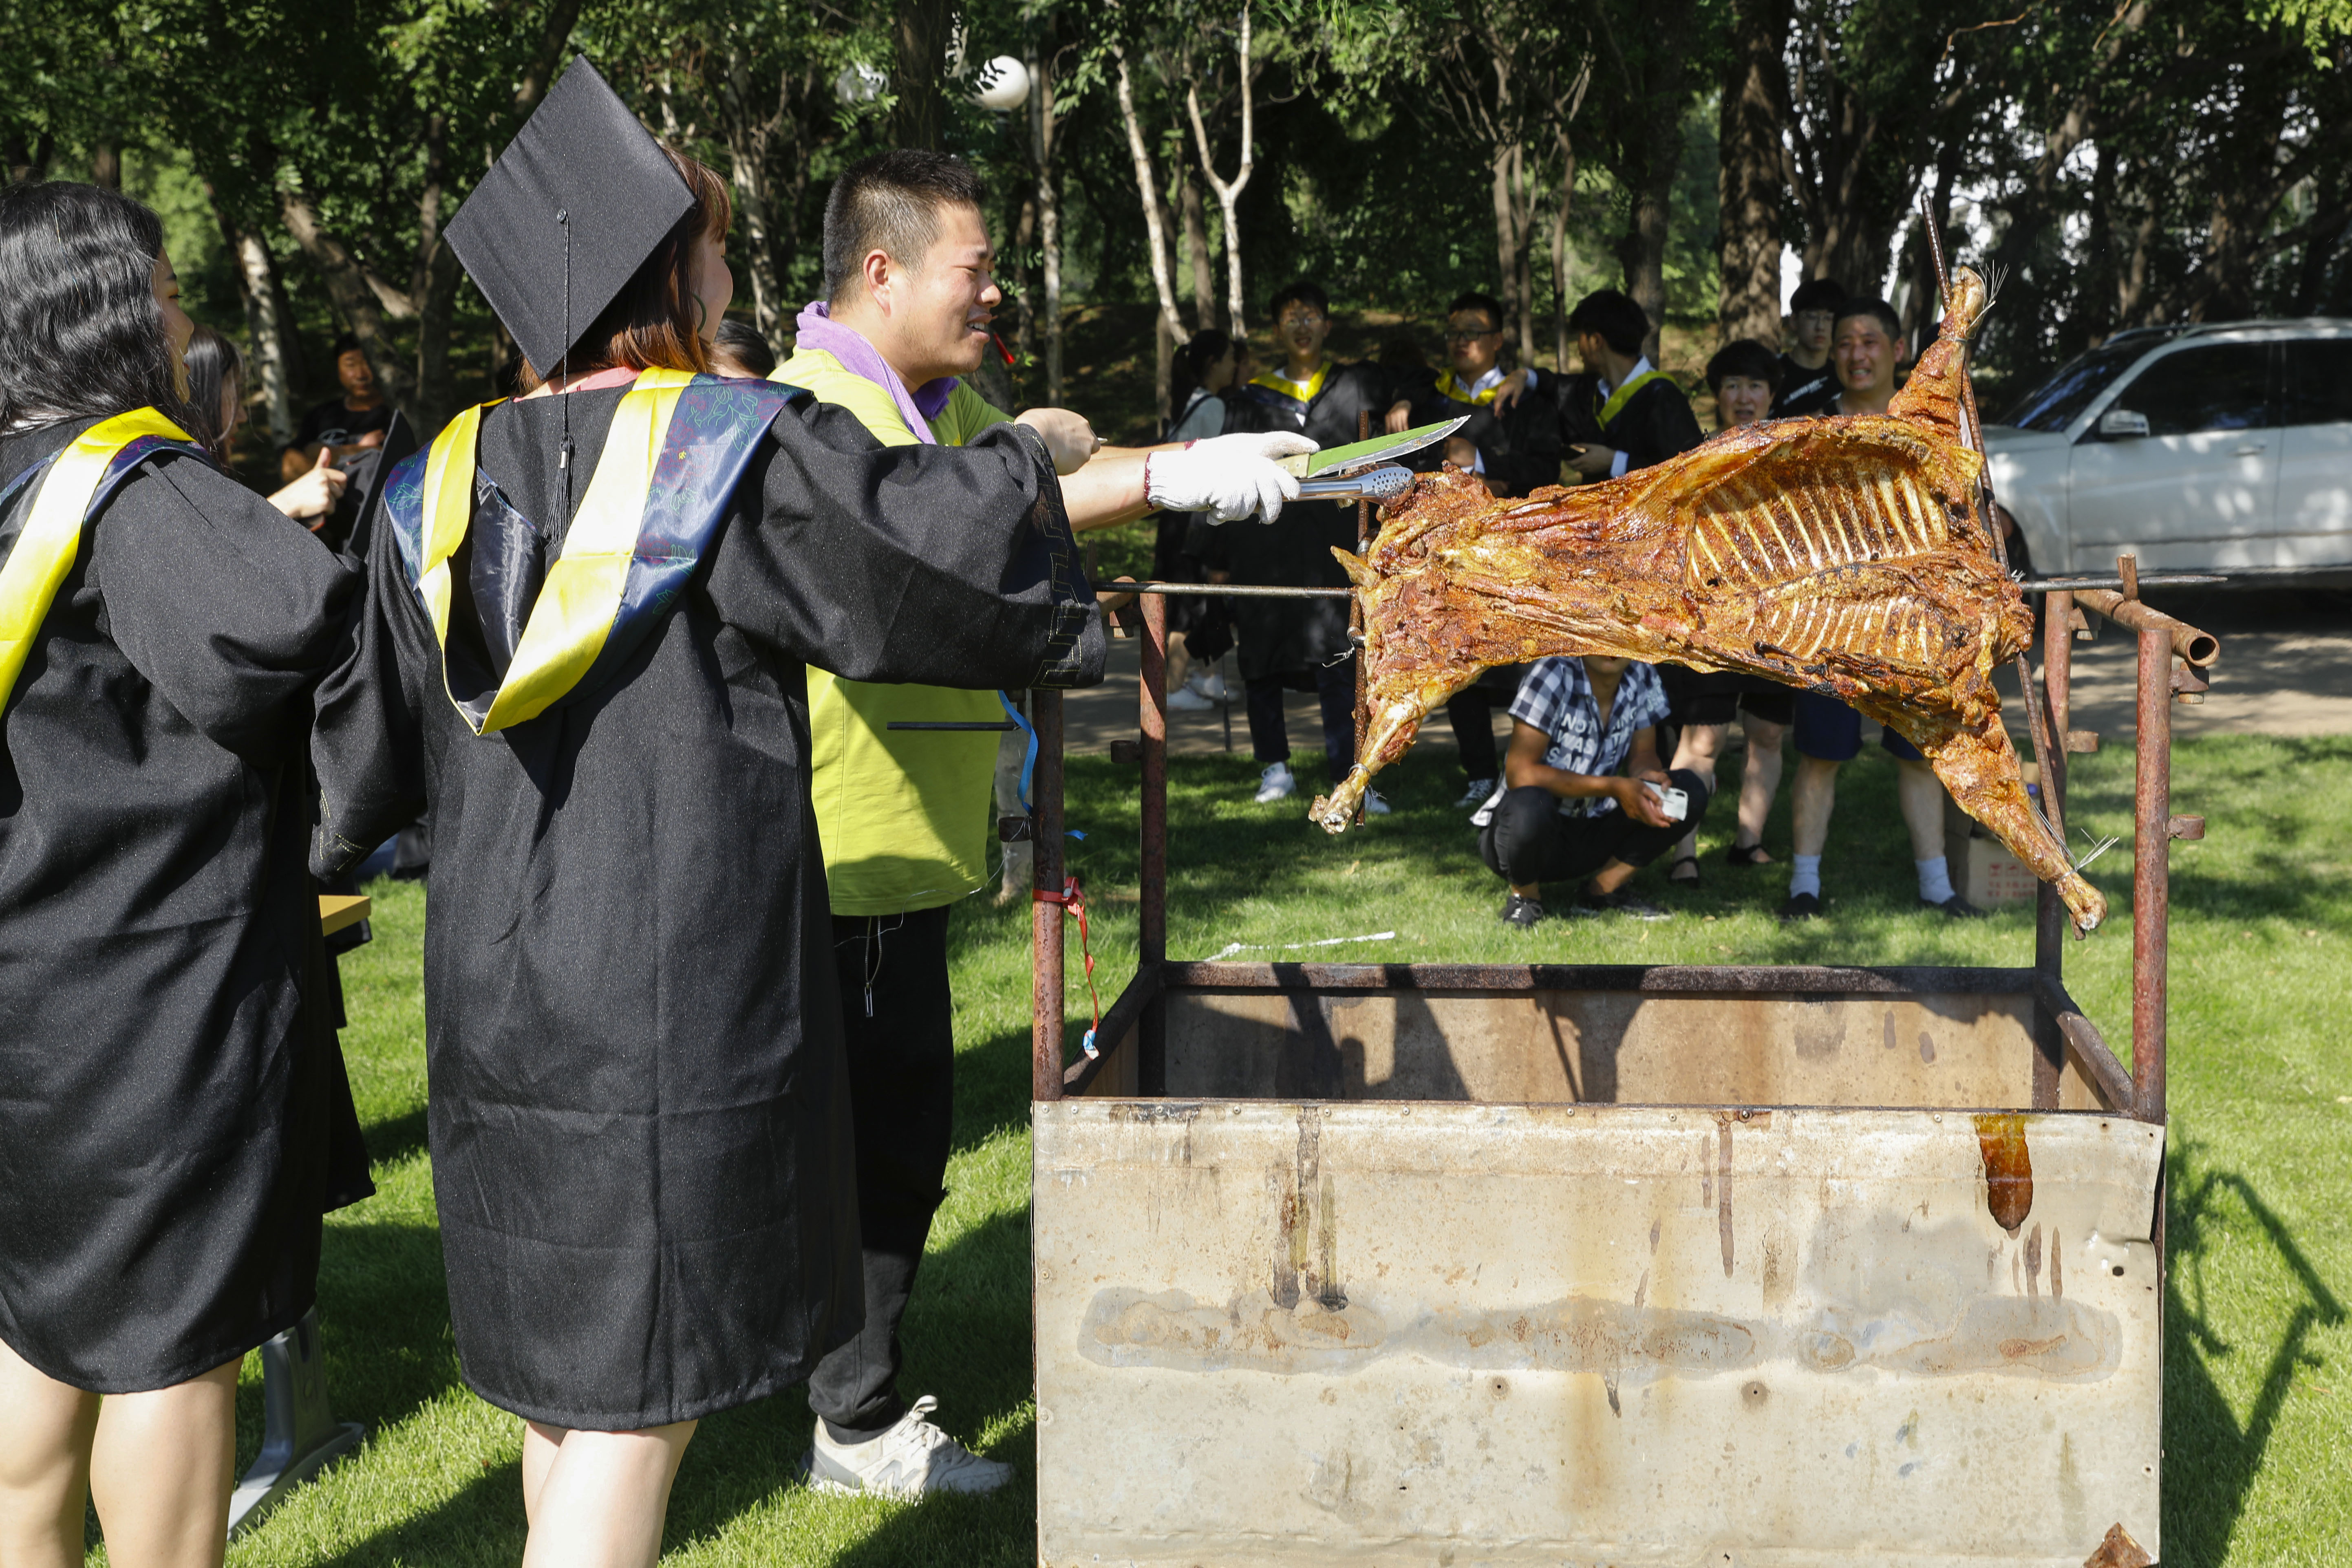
[
  {"x": 574, "y": 612},
  {"x": 1301, "y": 393},
  {"x": 1618, "y": 399},
  {"x": 51, "y": 537},
  {"x": 1451, "y": 386}
]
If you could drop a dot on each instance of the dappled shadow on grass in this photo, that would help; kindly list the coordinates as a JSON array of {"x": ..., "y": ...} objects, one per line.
[
  {"x": 2206, "y": 1490},
  {"x": 391, "y": 1139},
  {"x": 483, "y": 1523}
]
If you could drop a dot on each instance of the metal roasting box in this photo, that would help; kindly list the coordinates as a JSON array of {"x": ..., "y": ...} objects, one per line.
[{"x": 1745, "y": 1266}]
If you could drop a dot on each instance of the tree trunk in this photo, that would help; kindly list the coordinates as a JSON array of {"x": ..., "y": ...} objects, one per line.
[
  {"x": 433, "y": 285},
  {"x": 920, "y": 34},
  {"x": 1155, "y": 229},
  {"x": 1024, "y": 235},
  {"x": 1229, "y": 192},
  {"x": 1196, "y": 253},
  {"x": 1164, "y": 369},
  {"x": 1513, "y": 238},
  {"x": 1651, "y": 157},
  {"x": 1748, "y": 189},
  {"x": 1559, "y": 216},
  {"x": 436, "y": 383},
  {"x": 1049, "y": 217},
  {"x": 266, "y": 327},
  {"x": 361, "y": 298},
  {"x": 106, "y": 166},
  {"x": 750, "y": 131}
]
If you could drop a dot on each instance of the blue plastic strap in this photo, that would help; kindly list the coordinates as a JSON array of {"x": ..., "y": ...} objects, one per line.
[{"x": 1029, "y": 762}]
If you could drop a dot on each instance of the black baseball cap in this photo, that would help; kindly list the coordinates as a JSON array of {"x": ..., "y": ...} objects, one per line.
[{"x": 581, "y": 196}]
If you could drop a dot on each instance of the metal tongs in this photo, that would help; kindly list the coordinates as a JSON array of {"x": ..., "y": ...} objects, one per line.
[{"x": 1375, "y": 485}]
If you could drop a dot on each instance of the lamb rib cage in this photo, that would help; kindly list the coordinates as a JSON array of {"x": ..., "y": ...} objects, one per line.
[{"x": 1848, "y": 555}]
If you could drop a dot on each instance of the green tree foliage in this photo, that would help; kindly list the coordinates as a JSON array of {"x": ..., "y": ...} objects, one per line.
[{"x": 2123, "y": 163}]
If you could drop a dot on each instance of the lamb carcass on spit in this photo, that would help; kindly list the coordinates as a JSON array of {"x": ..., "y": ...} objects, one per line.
[{"x": 1847, "y": 555}]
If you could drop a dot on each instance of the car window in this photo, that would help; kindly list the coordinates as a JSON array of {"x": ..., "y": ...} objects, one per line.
[
  {"x": 2053, "y": 404},
  {"x": 2218, "y": 386},
  {"x": 2319, "y": 382}
]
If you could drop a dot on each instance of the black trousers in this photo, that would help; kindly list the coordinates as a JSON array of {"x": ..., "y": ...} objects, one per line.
[
  {"x": 899, "y": 1020},
  {"x": 1471, "y": 711},
  {"x": 1335, "y": 691},
  {"x": 1529, "y": 841}
]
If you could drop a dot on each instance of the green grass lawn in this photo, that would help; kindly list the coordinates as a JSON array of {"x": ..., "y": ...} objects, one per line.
[{"x": 2259, "y": 1371}]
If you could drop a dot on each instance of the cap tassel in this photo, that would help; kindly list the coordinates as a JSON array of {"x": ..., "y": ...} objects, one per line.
[{"x": 563, "y": 365}]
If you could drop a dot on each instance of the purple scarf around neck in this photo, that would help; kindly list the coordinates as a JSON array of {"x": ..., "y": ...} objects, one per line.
[{"x": 820, "y": 332}]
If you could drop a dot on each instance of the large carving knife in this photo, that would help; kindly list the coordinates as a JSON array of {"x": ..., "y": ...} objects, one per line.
[{"x": 1335, "y": 462}]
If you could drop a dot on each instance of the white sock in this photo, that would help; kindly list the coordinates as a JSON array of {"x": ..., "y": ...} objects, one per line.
[
  {"x": 1804, "y": 874},
  {"x": 1935, "y": 879}
]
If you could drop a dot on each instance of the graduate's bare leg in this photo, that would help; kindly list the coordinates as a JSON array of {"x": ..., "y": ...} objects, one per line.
[
  {"x": 43, "y": 1466},
  {"x": 597, "y": 1500},
  {"x": 161, "y": 1470},
  {"x": 1760, "y": 779}
]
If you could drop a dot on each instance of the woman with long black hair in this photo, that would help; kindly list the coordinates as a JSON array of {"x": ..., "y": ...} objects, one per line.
[{"x": 164, "y": 1107}]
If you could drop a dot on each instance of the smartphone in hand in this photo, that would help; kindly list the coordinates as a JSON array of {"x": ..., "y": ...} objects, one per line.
[{"x": 1674, "y": 803}]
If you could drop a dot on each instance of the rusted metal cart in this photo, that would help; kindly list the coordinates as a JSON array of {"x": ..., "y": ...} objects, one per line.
[{"x": 1612, "y": 1264}]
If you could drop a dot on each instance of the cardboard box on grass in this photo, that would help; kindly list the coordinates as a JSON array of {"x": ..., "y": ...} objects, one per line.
[{"x": 1983, "y": 870}]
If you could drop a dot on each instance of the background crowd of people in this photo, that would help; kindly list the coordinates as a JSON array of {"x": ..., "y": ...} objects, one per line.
[{"x": 1563, "y": 801}]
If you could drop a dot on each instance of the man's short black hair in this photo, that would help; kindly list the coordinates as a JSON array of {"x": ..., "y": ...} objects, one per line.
[
  {"x": 1299, "y": 293},
  {"x": 346, "y": 343},
  {"x": 887, "y": 203},
  {"x": 1476, "y": 300},
  {"x": 1862, "y": 305},
  {"x": 1622, "y": 323},
  {"x": 1743, "y": 356},
  {"x": 1820, "y": 294}
]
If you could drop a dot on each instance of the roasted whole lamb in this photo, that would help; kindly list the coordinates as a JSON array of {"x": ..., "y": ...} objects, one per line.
[{"x": 1848, "y": 555}]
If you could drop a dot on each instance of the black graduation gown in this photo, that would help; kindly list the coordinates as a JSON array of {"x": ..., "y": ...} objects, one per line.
[
  {"x": 1804, "y": 391},
  {"x": 169, "y": 1086},
  {"x": 1655, "y": 423},
  {"x": 1519, "y": 449},
  {"x": 1290, "y": 637},
  {"x": 638, "y": 1112}
]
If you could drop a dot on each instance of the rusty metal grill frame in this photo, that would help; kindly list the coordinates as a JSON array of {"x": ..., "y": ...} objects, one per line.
[{"x": 2061, "y": 1028}]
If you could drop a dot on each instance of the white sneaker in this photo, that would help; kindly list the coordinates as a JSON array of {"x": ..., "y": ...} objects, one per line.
[
  {"x": 1475, "y": 795},
  {"x": 1184, "y": 699},
  {"x": 912, "y": 1459},
  {"x": 1208, "y": 683},
  {"x": 1373, "y": 804},
  {"x": 1275, "y": 783}
]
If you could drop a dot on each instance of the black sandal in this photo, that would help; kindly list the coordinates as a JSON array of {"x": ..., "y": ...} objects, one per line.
[
  {"x": 1689, "y": 881},
  {"x": 1745, "y": 855}
]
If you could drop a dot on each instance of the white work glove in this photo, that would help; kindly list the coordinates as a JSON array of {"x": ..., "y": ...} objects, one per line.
[{"x": 1228, "y": 477}]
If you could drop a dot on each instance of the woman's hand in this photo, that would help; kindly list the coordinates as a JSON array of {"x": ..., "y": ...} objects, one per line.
[
  {"x": 311, "y": 499},
  {"x": 1399, "y": 418}
]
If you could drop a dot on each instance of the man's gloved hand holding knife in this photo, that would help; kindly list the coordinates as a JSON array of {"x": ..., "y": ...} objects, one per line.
[{"x": 1229, "y": 477}]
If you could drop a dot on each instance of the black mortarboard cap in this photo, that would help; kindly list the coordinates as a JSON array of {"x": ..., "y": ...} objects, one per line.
[{"x": 583, "y": 164}]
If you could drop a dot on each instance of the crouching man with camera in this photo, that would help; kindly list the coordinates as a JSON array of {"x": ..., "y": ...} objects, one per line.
[{"x": 1583, "y": 796}]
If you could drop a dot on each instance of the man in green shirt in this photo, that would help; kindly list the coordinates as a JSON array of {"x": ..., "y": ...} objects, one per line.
[{"x": 904, "y": 815}]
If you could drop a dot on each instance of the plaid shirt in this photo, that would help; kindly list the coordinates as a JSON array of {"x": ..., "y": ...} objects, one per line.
[{"x": 1557, "y": 698}]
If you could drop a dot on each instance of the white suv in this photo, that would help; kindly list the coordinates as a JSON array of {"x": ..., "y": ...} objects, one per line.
[{"x": 2225, "y": 447}]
